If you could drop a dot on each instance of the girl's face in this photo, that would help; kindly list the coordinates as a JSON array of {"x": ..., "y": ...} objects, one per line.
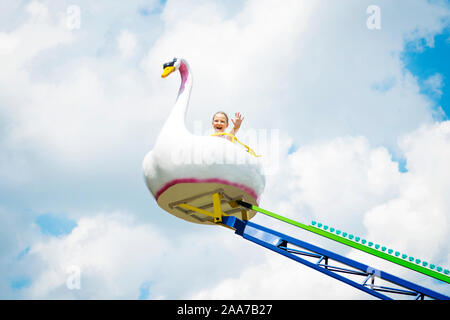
[{"x": 220, "y": 122}]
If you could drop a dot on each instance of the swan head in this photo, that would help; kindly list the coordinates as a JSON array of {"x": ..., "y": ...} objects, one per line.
[{"x": 170, "y": 67}]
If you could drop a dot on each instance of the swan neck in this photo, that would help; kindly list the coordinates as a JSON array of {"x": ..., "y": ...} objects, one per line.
[{"x": 176, "y": 123}]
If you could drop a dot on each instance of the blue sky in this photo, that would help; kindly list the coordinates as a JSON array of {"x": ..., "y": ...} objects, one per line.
[
  {"x": 79, "y": 109},
  {"x": 54, "y": 224},
  {"x": 425, "y": 61}
]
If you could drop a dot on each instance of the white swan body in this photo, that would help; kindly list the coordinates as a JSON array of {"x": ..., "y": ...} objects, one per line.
[{"x": 183, "y": 165}]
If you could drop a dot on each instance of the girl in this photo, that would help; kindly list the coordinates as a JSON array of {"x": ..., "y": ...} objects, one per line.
[{"x": 220, "y": 123}]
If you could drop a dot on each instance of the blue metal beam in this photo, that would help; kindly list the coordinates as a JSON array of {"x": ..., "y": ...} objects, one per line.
[{"x": 278, "y": 242}]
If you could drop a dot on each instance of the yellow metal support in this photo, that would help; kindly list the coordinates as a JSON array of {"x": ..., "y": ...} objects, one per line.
[
  {"x": 189, "y": 207},
  {"x": 244, "y": 215},
  {"x": 217, "y": 208}
]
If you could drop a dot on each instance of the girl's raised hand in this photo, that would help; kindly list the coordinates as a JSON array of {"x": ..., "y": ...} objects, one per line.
[{"x": 237, "y": 122}]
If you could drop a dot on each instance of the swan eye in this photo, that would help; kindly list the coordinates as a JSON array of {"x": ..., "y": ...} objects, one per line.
[{"x": 170, "y": 64}]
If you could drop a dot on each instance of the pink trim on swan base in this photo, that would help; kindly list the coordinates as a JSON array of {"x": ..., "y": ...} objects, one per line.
[{"x": 211, "y": 180}]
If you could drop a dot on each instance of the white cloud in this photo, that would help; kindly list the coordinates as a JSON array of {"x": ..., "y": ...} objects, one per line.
[
  {"x": 434, "y": 83},
  {"x": 279, "y": 278},
  {"x": 38, "y": 33},
  {"x": 8, "y": 43},
  {"x": 63, "y": 111},
  {"x": 417, "y": 219},
  {"x": 115, "y": 255},
  {"x": 127, "y": 43},
  {"x": 335, "y": 182}
]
